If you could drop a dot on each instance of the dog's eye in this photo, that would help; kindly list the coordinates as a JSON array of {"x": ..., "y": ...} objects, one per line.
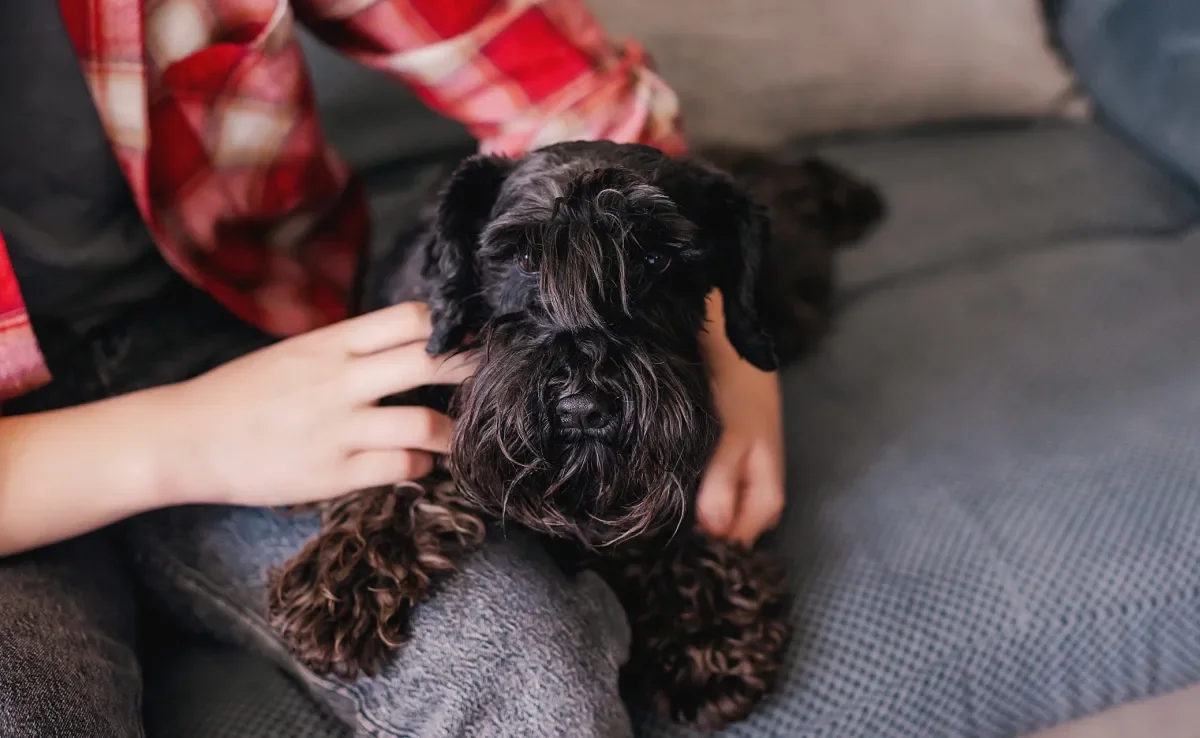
[
  {"x": 656, "y": 263},
  {"x": 526, "y": 261}
]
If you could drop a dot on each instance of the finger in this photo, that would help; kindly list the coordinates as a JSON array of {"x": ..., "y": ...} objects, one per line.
[
  {"x": 412, "y": 428},
  {"x": 717, "y": 500},
  {"x": 379, "y": 330},
  {"x": 376, "y": 468},
  {"x": 762, "y": 502},
  {"x": 403, "y": 368}
]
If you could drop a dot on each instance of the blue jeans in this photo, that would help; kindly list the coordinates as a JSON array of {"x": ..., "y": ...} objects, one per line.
[
  {"x": 1139, "y": 62},
  {"x": 511, "y": 647}
]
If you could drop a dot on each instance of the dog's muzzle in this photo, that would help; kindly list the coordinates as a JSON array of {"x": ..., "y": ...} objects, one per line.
[{"x": 598, "y": 439}]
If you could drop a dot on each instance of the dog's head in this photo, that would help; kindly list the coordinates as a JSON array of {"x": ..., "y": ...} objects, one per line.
[{"x": 579, "y": 273}]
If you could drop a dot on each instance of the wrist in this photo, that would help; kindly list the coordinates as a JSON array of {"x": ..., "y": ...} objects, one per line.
[
  {"x": 175, "y": 471},
  {"x": 139, "y": 426}
]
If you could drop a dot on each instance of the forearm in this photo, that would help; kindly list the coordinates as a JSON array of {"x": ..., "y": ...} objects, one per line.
[
  {"x": 67, "y": 472},
  {"x": 517, "y": 75}
]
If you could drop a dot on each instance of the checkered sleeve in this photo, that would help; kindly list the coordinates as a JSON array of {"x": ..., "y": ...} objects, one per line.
[
  {"x": 518, "y": 74},
  {"x": 21, "y": 365}
]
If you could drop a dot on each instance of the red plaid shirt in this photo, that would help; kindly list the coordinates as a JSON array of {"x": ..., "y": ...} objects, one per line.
[{"x": 211, "y": 113}]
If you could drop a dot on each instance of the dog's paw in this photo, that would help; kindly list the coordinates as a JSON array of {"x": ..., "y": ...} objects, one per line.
[
  {"x": 342, "y": 605},
  {"x": 709, "y": 631}
]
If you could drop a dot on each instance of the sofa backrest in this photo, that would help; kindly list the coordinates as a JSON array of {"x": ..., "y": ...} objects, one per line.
[{"x": 763, "y": 71}]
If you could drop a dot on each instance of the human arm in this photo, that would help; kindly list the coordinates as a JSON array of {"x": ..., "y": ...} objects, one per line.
[
  {"x": 742, "y": 494},
  {"x": 292, "y": 423},
  {"x": 517, "y": 75},
  {"x": 70, "y": 471}
]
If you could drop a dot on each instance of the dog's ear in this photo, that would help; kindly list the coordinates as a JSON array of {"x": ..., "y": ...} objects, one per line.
[
  {"x": 742, "y": 240},
  {"x": 737, "y": 232},
  {"x": 450, "y": 269}
]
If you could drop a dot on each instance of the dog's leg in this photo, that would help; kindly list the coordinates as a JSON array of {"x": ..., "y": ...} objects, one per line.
[
  {"x": 343, "y": 603},
  {"x": 710, "y": 628}
]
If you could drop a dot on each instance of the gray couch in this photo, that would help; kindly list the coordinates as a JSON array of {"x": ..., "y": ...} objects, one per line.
[{"x": 994, "y": 477}]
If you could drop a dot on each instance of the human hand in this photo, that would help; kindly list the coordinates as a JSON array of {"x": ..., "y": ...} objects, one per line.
[
  {"x": 298, "y": 422},
  {"x": 742, "y": 493}
]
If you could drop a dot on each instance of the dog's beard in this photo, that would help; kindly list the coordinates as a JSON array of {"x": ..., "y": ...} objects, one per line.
[{"x": 511, "y": 459}]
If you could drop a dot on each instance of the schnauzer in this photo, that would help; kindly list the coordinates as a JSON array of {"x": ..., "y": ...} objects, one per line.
[{"x": 579, "y": 275}]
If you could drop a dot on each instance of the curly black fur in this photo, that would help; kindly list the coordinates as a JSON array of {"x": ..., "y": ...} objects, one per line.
[
  {"x": 579, "y": 273},
  {"x": 343, "y": 602},
  {"x": 709, "y": 623}
]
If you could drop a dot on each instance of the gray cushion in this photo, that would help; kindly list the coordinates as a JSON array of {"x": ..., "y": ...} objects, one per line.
[
  {"x": 996, "y": 498},
  {"x": 759, "y": 71},
  {"x": 965, "y": 192},
  {"x": 995, "y": 511}
]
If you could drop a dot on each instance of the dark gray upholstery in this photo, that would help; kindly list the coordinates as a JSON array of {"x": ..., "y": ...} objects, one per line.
[
  {"x": 205, "y": 690},
  {"x": 994, "y": 475},
  {"x": 995, "y": 487}
]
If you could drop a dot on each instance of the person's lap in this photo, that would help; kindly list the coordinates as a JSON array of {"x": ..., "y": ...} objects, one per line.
[
  {"x": 510, "y": 647},
  {"x": 68, "y": 643},
  {"x": 506, "y": 648}
]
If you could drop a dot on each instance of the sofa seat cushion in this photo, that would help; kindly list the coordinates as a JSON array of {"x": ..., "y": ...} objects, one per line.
[
  {"x": 994, "y": 466},
  {"x": 995, "y": 513}
]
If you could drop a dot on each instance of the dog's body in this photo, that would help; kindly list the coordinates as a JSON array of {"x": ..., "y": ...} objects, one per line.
[{"x": 579, "y": 274}]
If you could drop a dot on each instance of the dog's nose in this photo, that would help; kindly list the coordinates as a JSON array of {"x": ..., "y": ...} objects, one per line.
[{"x": 585, "y": 412}]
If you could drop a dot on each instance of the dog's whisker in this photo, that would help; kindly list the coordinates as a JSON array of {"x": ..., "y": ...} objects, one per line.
[
  {"x": 504, "y": 506},
  {"x": 621, "y": 538},
  {"x": 678, "y": 524}
]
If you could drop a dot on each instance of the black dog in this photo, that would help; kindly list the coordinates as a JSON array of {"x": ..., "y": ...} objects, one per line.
[{"x": 579, "y": 274}]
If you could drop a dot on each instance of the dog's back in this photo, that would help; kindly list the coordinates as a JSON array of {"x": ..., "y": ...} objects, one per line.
[{"x": 816, "y": 210}]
